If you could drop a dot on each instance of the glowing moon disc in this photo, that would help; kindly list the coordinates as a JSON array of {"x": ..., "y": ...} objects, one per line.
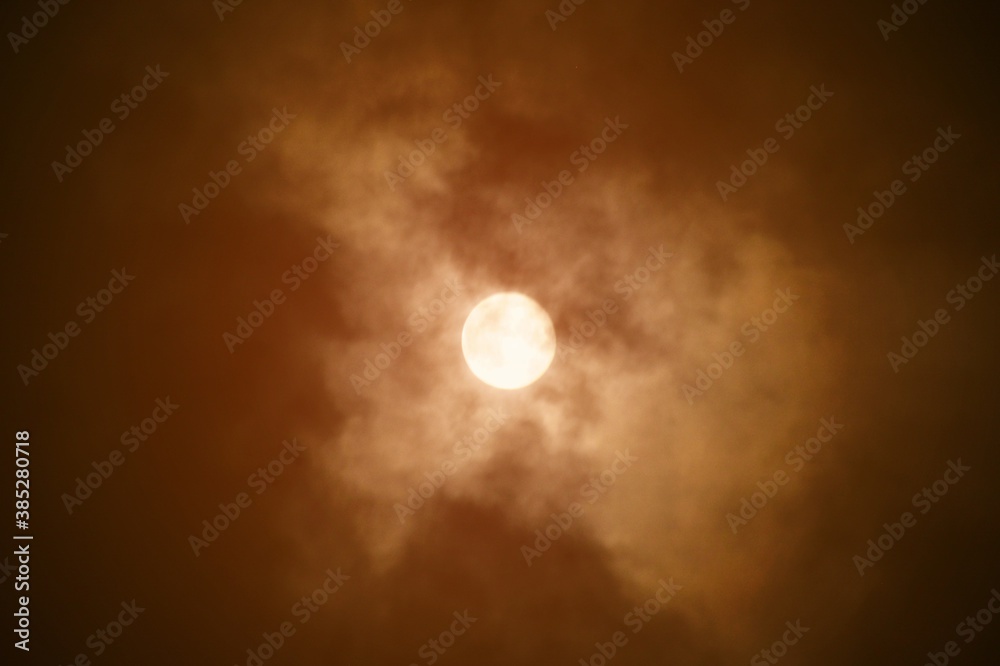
[{"x": 508, "y": 340}]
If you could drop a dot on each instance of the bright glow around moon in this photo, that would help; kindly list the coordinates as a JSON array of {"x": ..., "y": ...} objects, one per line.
[{"x": 508, "y": 340}]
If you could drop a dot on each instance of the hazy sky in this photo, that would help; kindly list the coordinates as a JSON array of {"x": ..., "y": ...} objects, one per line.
[{"x": 250, "y": 236}]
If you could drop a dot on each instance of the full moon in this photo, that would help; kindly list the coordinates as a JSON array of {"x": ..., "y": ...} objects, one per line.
[{"x": 508, "y": 340}]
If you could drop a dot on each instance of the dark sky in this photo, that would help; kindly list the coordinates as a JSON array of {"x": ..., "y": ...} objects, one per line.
[{"x": 250, "y": 257}]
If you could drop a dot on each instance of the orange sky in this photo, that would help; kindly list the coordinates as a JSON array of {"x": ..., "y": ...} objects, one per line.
[{"x": 292, "y": 206}]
